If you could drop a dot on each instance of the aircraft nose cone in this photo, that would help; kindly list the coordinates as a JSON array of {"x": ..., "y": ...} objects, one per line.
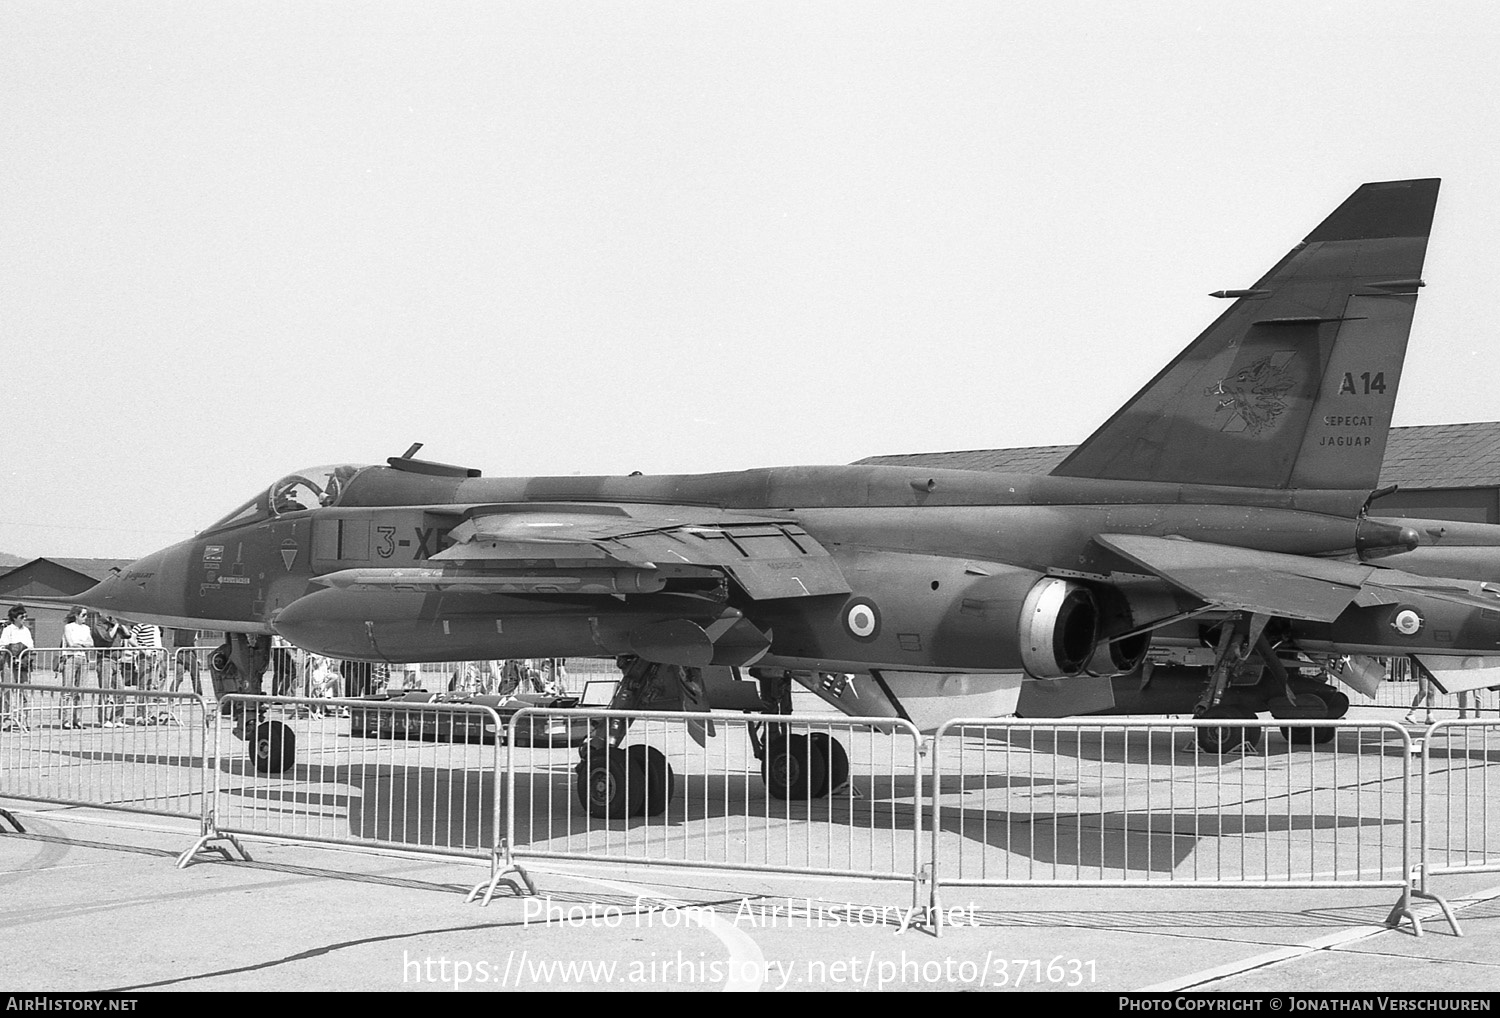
[{"x": 147, "y": 588}]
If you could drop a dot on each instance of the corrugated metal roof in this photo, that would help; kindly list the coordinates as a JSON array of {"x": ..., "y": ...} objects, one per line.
[
  {"x": 1443, "y": 456},
  {"x": 1424, "y": 456},
  {"x": 93, "y": 568}
]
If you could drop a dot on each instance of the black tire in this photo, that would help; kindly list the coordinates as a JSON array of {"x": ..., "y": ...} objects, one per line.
[
  {"x": 1220, "y": 740},
  {"x": 794, "y": 768},
  {"x": 1314, "y": 736},
  {"x": 835, "y": 757},
  {"x": 274, "y": 749},
  {"x": 1338, "y": 703},
  {"x": 660, "y": 781},
  {"x": 610, "y": 785}
]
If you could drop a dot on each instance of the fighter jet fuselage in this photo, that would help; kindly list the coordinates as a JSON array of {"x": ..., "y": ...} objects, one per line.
[
  {"x": 943, "y": 559},
  {"x": 1225, "y": 500}
]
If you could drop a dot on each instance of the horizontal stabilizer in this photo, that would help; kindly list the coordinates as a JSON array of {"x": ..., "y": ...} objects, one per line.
[{"x": 1242, "y": 579}]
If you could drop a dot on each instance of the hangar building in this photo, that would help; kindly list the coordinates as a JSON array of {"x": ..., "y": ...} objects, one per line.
[{"x": 51, "y": 577}]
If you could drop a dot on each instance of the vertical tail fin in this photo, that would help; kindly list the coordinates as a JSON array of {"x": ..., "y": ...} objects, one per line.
[{"x": 1294, "y": 385}]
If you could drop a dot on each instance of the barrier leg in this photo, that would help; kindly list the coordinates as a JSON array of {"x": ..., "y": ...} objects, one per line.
[
  {"x": 922, "y": 912},
  {"x": 210, "y": 838},
  {"x": 934, "y": 904},
  {"x": 1419, "y": 889},
  {"x": 1402, "y": 910},
  {"x": 211, "y": 841},
  {"x": 11, "y": 819},
  {"x": 501, "y": 866}
]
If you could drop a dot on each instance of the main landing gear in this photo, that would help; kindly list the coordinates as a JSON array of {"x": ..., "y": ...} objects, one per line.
[
  {"x": 1248, "y": 677},
  {"x": 800, "y": 766},
  {"x": 618, "y": 783},
  {"x": 615, "y": 782},
  {"x": 794, "y": 767},
  {"x": 235, "y": 667}
]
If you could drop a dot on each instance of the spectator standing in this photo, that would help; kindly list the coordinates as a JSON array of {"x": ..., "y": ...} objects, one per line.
[
  {"x": 108, "y": 634},
  {"x": 491, "y": 676},
  {"x": 146, "y": 639},
  {"x": 531, "y": 667},
  {"x": 510, "y": 677},
  {"x": 77, "y": 641},
  {"x": 283, "y": 671},
  {"x": 554, "y": 676},
  {"x": 1423, "y": 698},
  {"x": 185, "y": 645},
  {"x": 326, "y": 680},
  {"x": 16, "y": 645}
]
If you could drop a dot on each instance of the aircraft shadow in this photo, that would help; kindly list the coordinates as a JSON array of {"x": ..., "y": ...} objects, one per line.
[
  {"x": 547, "y": 805},
  {"x": 716, "y": 816},
  {"x": 1119, "y": 842},
  {"x": 455, "y": 808},
  {"x": 450, "y": 808},
  {"x": 1162, "y": 746}
]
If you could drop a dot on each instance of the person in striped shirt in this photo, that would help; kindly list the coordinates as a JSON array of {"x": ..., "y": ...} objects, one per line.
[{"x": 150, "y": 665}]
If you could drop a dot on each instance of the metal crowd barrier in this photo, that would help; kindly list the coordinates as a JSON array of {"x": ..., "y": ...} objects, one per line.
[
  {"x": 1122, "y": 802},
  {"x": 580, "y": 671},
  {"x": 843, "y": 796},
  {"x": 1069, "y": 803},
  {"x": 1458, "y": 764},
  {"x": 133, "y": 750},
  {"x": 109, "y": 667},
  {"x": 303, "y": 775}
]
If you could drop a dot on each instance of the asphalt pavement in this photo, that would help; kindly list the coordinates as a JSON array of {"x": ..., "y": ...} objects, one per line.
[{"x": 95, "y": 903}]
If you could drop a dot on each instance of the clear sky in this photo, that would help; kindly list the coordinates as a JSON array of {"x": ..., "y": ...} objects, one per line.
[{"x": 237, "y": 239}]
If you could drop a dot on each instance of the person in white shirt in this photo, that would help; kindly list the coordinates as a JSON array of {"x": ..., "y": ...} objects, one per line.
[
  {"x": 324, "y": 680},
  {"x": 16, "y": 645},
  {"x": 17, "y": 634},
  {"x": 76, "y": 637}
]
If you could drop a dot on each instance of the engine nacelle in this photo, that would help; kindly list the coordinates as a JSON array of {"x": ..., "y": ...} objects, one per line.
[
  {"x": 1059, "y": 627},
  {"x": 1119, "y": 657}
]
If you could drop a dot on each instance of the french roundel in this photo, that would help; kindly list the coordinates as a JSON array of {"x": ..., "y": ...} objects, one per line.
[
  {"x": 1408, "y": 622},
  {"x": 862, "y": 619}
]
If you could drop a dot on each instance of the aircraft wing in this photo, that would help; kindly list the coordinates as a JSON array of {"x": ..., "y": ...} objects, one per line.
[
  {"x": 1242, "y": 579},
  {"x": 1387, "y": 586},
  {"x": 610, "y": 548}
]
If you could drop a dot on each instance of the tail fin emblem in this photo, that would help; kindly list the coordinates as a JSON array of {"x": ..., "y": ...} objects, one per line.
[{"x": 1256, "y": 395}]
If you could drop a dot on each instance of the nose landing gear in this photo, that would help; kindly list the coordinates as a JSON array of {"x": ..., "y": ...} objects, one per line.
[{"x": 235, "y": 667}]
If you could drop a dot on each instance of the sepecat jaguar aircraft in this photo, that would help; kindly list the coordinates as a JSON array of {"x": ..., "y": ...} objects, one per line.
[{"x": 1227, "y": 500}]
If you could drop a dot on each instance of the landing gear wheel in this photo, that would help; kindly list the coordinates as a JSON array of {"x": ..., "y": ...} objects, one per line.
[
  {"x": 1312, "y": 704},
  {"x": 835, "y": 757},
  {"x": 794, "y": 768},
  {"x": 274, "y": 748},
  {"x": 1338, "y": 703},
  {"x": 1219, "y": 741},
  {"x": 660, "y": 781},
  {"x": 611, "y": 786}
]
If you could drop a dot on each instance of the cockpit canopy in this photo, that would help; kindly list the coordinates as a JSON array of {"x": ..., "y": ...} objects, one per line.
[{"x": 313, "y": 488}]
